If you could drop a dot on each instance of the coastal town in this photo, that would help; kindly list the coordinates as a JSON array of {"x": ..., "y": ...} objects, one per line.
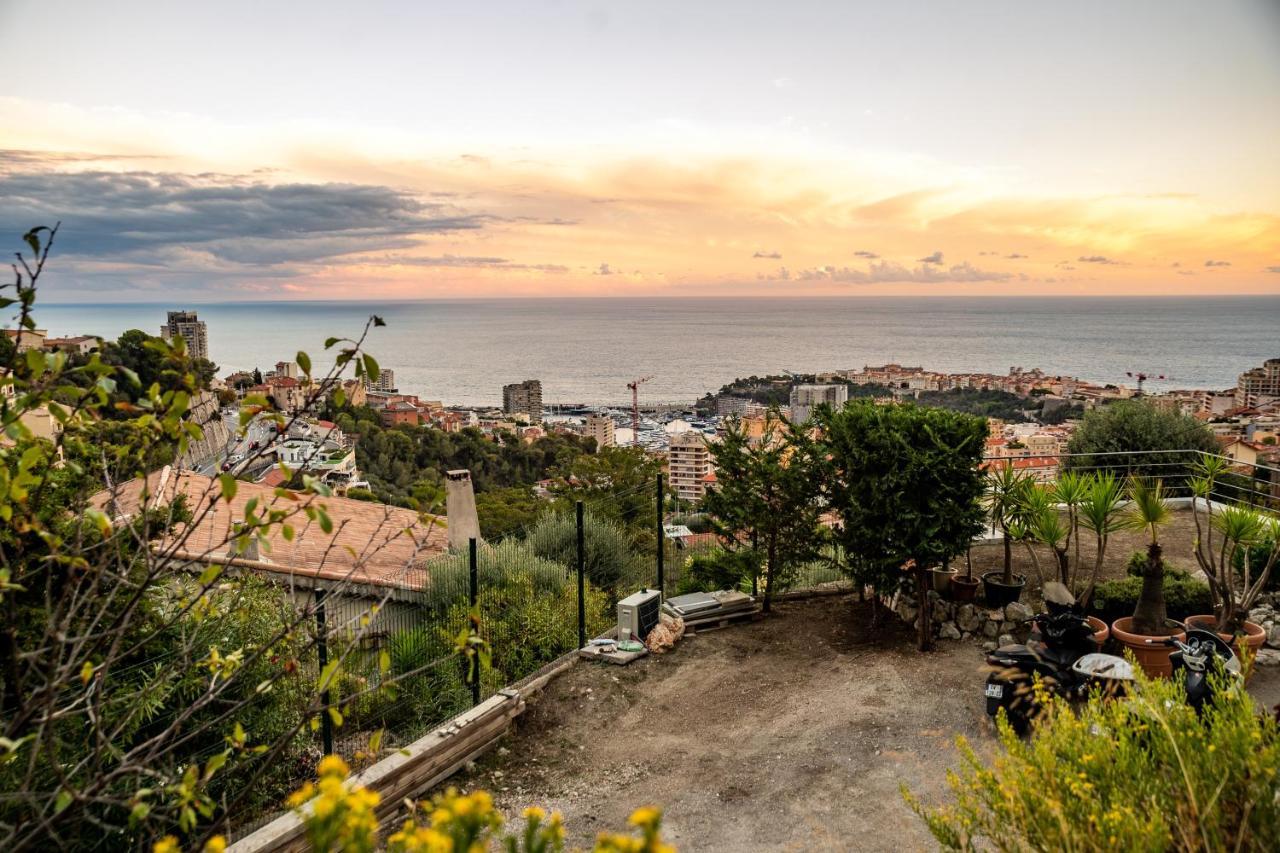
[{"x": 1039, "y": 412}]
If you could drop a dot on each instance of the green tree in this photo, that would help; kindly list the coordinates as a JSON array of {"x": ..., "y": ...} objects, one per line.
[
  {"x": 767, "y": 493},
  {"x": 1132, "y": 437},
  {"x": 618, "y": 484},
  {"x": 906, "y": 483},
  {"x": 508, "y": 511}
]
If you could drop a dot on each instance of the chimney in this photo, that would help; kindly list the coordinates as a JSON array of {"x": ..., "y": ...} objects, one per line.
[
  {"x": 250, "y": 549},
  {"x": 460, "y": 509}
]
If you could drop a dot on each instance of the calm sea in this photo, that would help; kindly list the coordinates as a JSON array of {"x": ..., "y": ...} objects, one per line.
[{"x": 586, "y": 350}]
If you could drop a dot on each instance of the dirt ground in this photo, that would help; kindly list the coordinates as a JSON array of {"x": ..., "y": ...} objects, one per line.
[
  {"x": 791, "y": 733},
  {"x": 1177, "y": 539}
]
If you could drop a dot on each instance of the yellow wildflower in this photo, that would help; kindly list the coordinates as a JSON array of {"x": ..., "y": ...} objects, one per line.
[
  {"x": 644, "y": 816},
  {"x": 168, "y": 844},
  {"x": 333, "y": 765},
  {"x": 217, "y": 844}
]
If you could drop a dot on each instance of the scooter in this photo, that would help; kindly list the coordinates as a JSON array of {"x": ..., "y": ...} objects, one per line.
[
  {"x": 1196, "y": 659},
  {"x": 1061, "y": 652}
]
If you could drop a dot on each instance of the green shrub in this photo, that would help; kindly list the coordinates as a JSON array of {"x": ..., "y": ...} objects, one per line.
[
  {"x": 718, "y": 570},
  {"x": 1258, "y": 556},
  {"x": 1183, "y": 595},
  {"x": 1144, "y": 773},
  {"x": 609, "y": 556}
]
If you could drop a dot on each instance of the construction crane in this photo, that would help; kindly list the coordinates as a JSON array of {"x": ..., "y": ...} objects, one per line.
[
  {"x": 634, "y": 385},
  {"x": 1143, "y": 376}
]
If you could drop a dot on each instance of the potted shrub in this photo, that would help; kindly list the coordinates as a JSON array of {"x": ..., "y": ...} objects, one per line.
[
  {"x": 964, "y": 587},
  {"x": 1006, "y": 489},
  {"x": 1149, "y": 512},
  {"x": 1227, "y": 537}
]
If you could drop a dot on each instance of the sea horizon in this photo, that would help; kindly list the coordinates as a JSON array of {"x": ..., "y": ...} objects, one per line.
[{"x": 585, "y": 350}]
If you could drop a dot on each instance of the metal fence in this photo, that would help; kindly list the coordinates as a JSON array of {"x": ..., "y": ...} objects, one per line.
[{"x": 541, "y": 592}]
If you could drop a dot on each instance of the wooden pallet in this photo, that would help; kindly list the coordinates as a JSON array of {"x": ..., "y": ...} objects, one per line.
[{"x": 716, "y": 621}]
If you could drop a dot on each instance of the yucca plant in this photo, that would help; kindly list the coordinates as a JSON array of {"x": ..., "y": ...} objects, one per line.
[
  {"x": 1149, "y": 511},
  {"x": 1070, "y": 491},
  {"x": 1240, "y": 529},
  {"x": 1101, "y": 513},
  {"x": 1006, "y": 493}
]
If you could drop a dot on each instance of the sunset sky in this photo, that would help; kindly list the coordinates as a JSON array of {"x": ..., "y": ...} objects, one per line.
[{"x": 336, "y": 150}]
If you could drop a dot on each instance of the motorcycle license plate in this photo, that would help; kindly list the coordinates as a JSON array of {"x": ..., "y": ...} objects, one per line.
[{"x": 995, "y": 691}]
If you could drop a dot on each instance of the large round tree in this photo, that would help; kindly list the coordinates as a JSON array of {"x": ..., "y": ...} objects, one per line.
[{"x": 1133, "y": 437}]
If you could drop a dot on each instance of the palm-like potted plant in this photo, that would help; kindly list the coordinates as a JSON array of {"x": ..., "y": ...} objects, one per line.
[
  {"x": 1006, "y": 492},
  {"x": 1101, "y": 513},
  {"x": 1149, "y": 511},
  {"x": 1054, "y": 517},
  {"x": 1239, "y": 531}
]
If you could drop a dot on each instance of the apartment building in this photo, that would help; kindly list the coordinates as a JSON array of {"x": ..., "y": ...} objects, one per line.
[
  {"x": 1259, "y": 384},
  {"x": 601, "y": 428},
  {"x": 806, "y": 398},
  {"x": 523, "y": 398},
  {"x": 688, "y": 464},
  {"x": 385, "y": 382},
  {"x": 192, "y": 330}
]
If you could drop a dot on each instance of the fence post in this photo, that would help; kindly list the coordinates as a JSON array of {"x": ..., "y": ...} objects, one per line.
[
  {"x": 322, "y": 651},
  {"x": 662, "y": 545},
  {"x": 473, "y": 570},
  {"x": 582, "y": 571}
]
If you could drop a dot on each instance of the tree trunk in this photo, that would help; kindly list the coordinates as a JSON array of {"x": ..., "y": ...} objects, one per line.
[
  {"x": 1149, "y": 614},
  {"x": 1008, "y": 558},
  {"x": 923, "y": 586},
  {"x": 769, "y": 572}
]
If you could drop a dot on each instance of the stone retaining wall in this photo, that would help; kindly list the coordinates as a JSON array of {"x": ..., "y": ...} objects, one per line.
[{"x": 995, "y": 627}]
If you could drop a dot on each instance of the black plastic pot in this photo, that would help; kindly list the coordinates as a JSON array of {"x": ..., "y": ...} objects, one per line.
[{"x": 998, "y": 593}]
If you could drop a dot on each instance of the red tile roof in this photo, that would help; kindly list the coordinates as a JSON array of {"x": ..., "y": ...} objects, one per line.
[{"x": 370, "y": 544}]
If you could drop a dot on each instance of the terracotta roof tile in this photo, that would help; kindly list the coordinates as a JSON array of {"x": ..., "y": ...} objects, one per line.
[{"x": 371, "y": 543}]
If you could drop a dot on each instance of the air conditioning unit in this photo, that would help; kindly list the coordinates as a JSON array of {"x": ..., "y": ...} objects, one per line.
[{"x": 638, "y": 614}]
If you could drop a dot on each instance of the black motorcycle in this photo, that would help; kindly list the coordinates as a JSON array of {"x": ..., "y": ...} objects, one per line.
[
  {"x": 1196, "y": 659},
  {"x": 1061, "y": 652}
]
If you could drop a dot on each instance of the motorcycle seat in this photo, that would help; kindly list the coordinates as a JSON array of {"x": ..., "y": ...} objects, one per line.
[{"x": 1015, "y": 653}]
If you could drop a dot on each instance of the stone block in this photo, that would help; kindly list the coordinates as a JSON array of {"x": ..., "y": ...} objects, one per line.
[{"x": 1016, "y": 611}]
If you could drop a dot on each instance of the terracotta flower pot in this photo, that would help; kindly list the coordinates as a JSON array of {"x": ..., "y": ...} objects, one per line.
[
  {"x": 1152, "y": 657},
  {"x": 1254, "y": 635},
  {"x": 998, "y": 593},
  {"x": 964, "y": 588},
  {"x": 1100, "y": 631},
  {"x": 942, "y": 580}
]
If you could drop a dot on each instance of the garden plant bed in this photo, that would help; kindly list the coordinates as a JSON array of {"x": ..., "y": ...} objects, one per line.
[
  {"x": 791, "y": 733},
  {"x": 1177, "y": 537}
]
